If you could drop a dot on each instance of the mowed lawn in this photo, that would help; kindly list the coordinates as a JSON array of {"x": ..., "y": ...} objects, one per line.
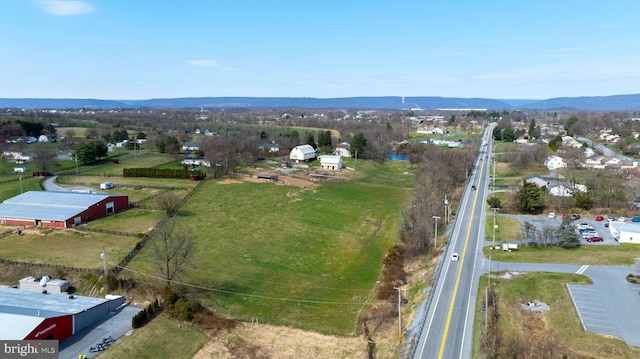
[
  {"x": 65, "y": 247},
  {"x": 280, "y": 255}
]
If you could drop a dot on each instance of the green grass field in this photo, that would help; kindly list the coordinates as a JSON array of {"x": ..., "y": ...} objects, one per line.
[
  {"x": 622, "y": 254},
  {"x": 561, "y": 319},
  {"x": 161, "y": 338},
  {"x": 65, "y": 247},
  {"x": 308, "y": 258}
]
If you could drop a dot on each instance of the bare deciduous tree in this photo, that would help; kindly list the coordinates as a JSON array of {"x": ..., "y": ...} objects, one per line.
[
  {"x": 169, "y": 202},
  {"x": 174, "y": 247}
]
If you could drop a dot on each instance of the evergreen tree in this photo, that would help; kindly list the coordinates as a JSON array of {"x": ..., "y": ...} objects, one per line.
[
  {"x": 529, "y": 198},
  {"x": 358, "y": 145}
]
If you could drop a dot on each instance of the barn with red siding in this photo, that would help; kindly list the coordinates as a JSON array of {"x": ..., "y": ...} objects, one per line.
[
  {"x": 59, "y": 209},
  {"x": 30, "y": 315}
]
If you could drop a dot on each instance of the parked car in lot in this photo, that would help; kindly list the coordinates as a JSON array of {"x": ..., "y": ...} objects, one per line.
[
  {"x": 589, "y": 234},
  {"x": 594, "y": 239},
  {"x": 582, "y": 226},
  {"x": 575, "y": 217},
  {"x": 552, "y": 215},
  {"x": 622, "y": 219},
  {"x": 635, "y": 219},
  {"x": 599, "y": 218},
  {"x": 455, "y": 257}
]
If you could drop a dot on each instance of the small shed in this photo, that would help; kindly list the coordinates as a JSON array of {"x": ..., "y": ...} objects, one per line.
[{"x": 331, "y": 162}]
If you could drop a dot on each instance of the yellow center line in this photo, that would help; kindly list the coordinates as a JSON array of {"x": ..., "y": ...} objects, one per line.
[{"x": 464, "y": 251}]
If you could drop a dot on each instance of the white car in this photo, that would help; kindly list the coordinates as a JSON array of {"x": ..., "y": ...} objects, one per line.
[
  {"x": 552, "y": 215},
  {"x": 455, "y": 257}
]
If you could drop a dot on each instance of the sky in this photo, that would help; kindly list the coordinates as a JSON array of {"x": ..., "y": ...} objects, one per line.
[{"x": 145, "y": 49}]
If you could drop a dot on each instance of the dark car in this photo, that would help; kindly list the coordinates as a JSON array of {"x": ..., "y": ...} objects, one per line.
[
  {"x": 473, "y": 188},
  {"x": 594, "y": 239},
  {"x": 575, "y": 217}
]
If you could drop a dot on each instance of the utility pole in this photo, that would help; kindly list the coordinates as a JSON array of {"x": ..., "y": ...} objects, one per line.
[
  {"x": 76, "y": 164},
  {"x": 103, "y": 256},
  {"x": 20, "y": 183},
  {"x": 399, "y": 314},
  {"x": 435, "y": 233},
  {"x": 493, "y": 242},
  {"x": 446, "y": 210}
]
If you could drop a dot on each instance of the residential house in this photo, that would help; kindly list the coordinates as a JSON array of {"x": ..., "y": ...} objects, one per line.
[
  {"x": 191, "y": 146},
  {"x": 343, "y": 149},
  {"x": 555, "y": 162},
  {"x": 565, "y": 189},
  {"x": 568, "y": 141},
  {"x": 538, "y": 180}
]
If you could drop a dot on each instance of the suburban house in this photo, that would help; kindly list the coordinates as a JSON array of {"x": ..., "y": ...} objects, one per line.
[
  {"x": 343, "y": 149},
  {"x": 434, "y": 130},
  {"x": 555, "y": 162},
  {"x": 625, "y": 232},
  {"x": 565, "y": 189},
  {"x": 191, "y": 146},
  {"x": 331, "y": 162},
  {"x": 568, "y": 141},
  {"x": 270, "y": 147},
  {"x": 538, "y": 180},
  {"x": 302, "y": 153},
  {"x": 59, "y": 209}
]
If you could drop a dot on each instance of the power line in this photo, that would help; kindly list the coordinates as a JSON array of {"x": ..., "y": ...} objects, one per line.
[{"x": 310, "y": 301}]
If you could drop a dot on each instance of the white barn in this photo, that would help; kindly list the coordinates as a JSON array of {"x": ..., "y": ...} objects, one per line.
[
  {"x": 331, "y": 162},
  {"x": 302, "y": 153},
  {"x": 625, "y": 232}
]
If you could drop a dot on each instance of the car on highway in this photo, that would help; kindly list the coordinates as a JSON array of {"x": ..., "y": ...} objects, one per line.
[
  {"x": 473, "y": 188},
  {"x": 552, "y": 215},
  {"x": 455, "y": 257},
  {"x": 599, "y": 218},
  {"x": 595, "y": 239}
]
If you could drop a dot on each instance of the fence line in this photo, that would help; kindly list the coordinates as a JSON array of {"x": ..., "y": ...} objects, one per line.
[{"x": 138, "y": 247}]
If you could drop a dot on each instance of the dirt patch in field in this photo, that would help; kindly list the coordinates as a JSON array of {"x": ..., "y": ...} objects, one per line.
[
  {"x": 266, "y": 341},
  {"x": 229, "y": 181}
]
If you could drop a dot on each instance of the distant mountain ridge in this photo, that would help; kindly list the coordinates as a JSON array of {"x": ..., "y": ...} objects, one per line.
[{"x": 595, "y": 103}]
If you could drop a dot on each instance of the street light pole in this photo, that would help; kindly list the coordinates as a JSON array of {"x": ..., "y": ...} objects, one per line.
[
  {"x": 493, "y": 242},
  {"x": 103, "y": 256},
  {"x": 435, "y": 234},
  {"x": 76, "y": 164}
]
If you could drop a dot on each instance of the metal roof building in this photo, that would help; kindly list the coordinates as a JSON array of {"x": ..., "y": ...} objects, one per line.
[
  {"x": 59, "y": 209},
  {"x": 30, "y": 315}
]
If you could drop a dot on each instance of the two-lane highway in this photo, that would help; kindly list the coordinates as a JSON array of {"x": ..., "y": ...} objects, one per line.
[{"x": 448, "y": 327}]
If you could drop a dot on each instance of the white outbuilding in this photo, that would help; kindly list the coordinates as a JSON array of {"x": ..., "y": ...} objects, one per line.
[
  {"x": 625, "y": 232},
  {"x": 302, "y": 153},
  {"x": 331, "y": 162}
]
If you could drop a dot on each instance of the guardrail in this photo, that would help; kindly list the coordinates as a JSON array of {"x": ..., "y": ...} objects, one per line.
[{"x": 418, "y": 335}]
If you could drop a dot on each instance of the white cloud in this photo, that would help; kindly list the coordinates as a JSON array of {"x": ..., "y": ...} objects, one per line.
[
  {"x": 204, "y": 63},
  {"x": 65, "y": 7}
]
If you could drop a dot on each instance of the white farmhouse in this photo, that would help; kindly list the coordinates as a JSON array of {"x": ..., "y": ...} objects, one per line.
[
  {"x": 565, "y": 189},
  {"x": 302, "y": 153},
  {"x": 555, "y": 162},
  {"x": 330, "y": 162},
  {"x": 625, "y": 232},
  {"x": 343, "y": 149}
]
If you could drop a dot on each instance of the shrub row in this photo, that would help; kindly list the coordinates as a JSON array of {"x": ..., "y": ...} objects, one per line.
[
  {"x": 163, "y": 173},
  {"x": 141, "y": 318}
]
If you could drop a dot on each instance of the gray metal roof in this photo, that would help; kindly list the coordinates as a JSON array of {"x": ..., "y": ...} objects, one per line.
[
  {"x": 22, "y": 310},
  {"x": 49, "y": 205}
]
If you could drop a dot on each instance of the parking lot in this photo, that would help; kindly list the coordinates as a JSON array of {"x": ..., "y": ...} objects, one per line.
[{"x": 599, "y": 226}]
